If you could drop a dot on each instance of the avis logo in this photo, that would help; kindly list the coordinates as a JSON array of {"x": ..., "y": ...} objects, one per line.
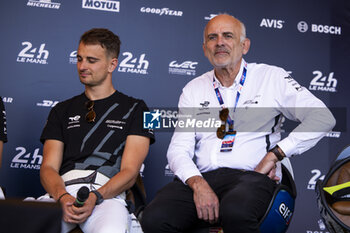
[
  {"x": 25, "y": 160},
  {"x": 317, "y": 176},
  {"x": 33, "y": 55},
  {"x": 185, "y": 68},
  {"x": 151, "y": 120},
  {"x": 133, "y": 65},
  {"x": 47, "y": 103},
  {"x": 323, "y": 83},
  {"x": 272, "y": 23}
]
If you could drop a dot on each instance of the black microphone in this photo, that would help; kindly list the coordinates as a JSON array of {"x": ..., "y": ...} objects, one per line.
[{"x": 82, "y": 195}]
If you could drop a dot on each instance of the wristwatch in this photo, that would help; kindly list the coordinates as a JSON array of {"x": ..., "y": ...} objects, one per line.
[
  {"x": 99, "y": 196},
  {"x": 276, "y": 151}
]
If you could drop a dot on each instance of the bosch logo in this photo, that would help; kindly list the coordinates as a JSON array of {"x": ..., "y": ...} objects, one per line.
[
  {"x": 302, "y": 26},
  {"x": 319, "y": 28}
]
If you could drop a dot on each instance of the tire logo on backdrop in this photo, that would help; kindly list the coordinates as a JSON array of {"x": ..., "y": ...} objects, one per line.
[{"x": 44, "y": 4}]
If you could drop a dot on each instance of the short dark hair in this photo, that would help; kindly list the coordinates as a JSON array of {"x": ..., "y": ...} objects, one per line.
[{"x": 103, "y": 37}]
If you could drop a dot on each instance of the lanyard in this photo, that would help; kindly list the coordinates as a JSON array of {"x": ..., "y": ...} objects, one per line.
[{"x": 219, "y": 96}]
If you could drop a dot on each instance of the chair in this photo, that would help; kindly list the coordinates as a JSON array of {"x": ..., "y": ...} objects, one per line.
[
  {"x": 136, "y": 198},
  {"x": 281, "y": 208},
  {"x": 280, "y": 211},
  {"x": 335, "y": 213}
]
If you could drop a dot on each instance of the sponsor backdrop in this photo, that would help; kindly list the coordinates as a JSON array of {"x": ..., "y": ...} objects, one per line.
[{"x": 162, "y": 51}]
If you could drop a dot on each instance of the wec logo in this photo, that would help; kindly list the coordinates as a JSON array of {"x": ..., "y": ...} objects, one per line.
[
  {"x": 73, "y": 57},
  {"x": 184, "y": 65},
  {"x": 185, "y": 68}
]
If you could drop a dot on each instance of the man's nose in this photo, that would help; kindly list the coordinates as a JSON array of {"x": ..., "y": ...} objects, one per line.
[
  {"x": 82, "y": 65},
  {"x": 220, "y": 40}
]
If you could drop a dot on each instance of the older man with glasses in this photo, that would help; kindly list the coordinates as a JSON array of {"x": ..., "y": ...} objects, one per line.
[{"x": 228, "y": 175}]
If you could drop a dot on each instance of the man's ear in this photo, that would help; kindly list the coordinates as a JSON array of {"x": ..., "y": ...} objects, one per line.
[
  {"x": 246, "y": 46},
  {"x": 113, "y": 65}
]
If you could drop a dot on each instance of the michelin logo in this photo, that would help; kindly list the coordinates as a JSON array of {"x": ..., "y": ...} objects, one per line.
[
  {"x": 44, "y": 4},
  {"x": 103, "y": 5}
]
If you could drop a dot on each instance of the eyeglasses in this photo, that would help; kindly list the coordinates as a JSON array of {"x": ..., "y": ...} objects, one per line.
[
  {"x": 90, "y": 115},
  {"x": 221, "y": 131}
]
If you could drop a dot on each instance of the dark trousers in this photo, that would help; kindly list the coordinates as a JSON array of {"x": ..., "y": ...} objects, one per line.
[{"x": 243, "y": 195}]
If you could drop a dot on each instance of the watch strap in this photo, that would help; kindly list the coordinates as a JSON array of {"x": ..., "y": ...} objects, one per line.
[
  {"x": 99, "y": 196},
  {"x": 276, "y": 151}
]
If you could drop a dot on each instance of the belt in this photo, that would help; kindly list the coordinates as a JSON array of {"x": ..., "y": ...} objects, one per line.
[{"x": 84, "y": 176}]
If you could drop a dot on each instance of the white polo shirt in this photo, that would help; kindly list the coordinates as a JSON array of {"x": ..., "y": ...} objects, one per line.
[{"x": 268, "y": 93}]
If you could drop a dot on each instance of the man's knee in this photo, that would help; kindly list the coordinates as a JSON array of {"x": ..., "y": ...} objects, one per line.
[{"x": 152, "y": 218}]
